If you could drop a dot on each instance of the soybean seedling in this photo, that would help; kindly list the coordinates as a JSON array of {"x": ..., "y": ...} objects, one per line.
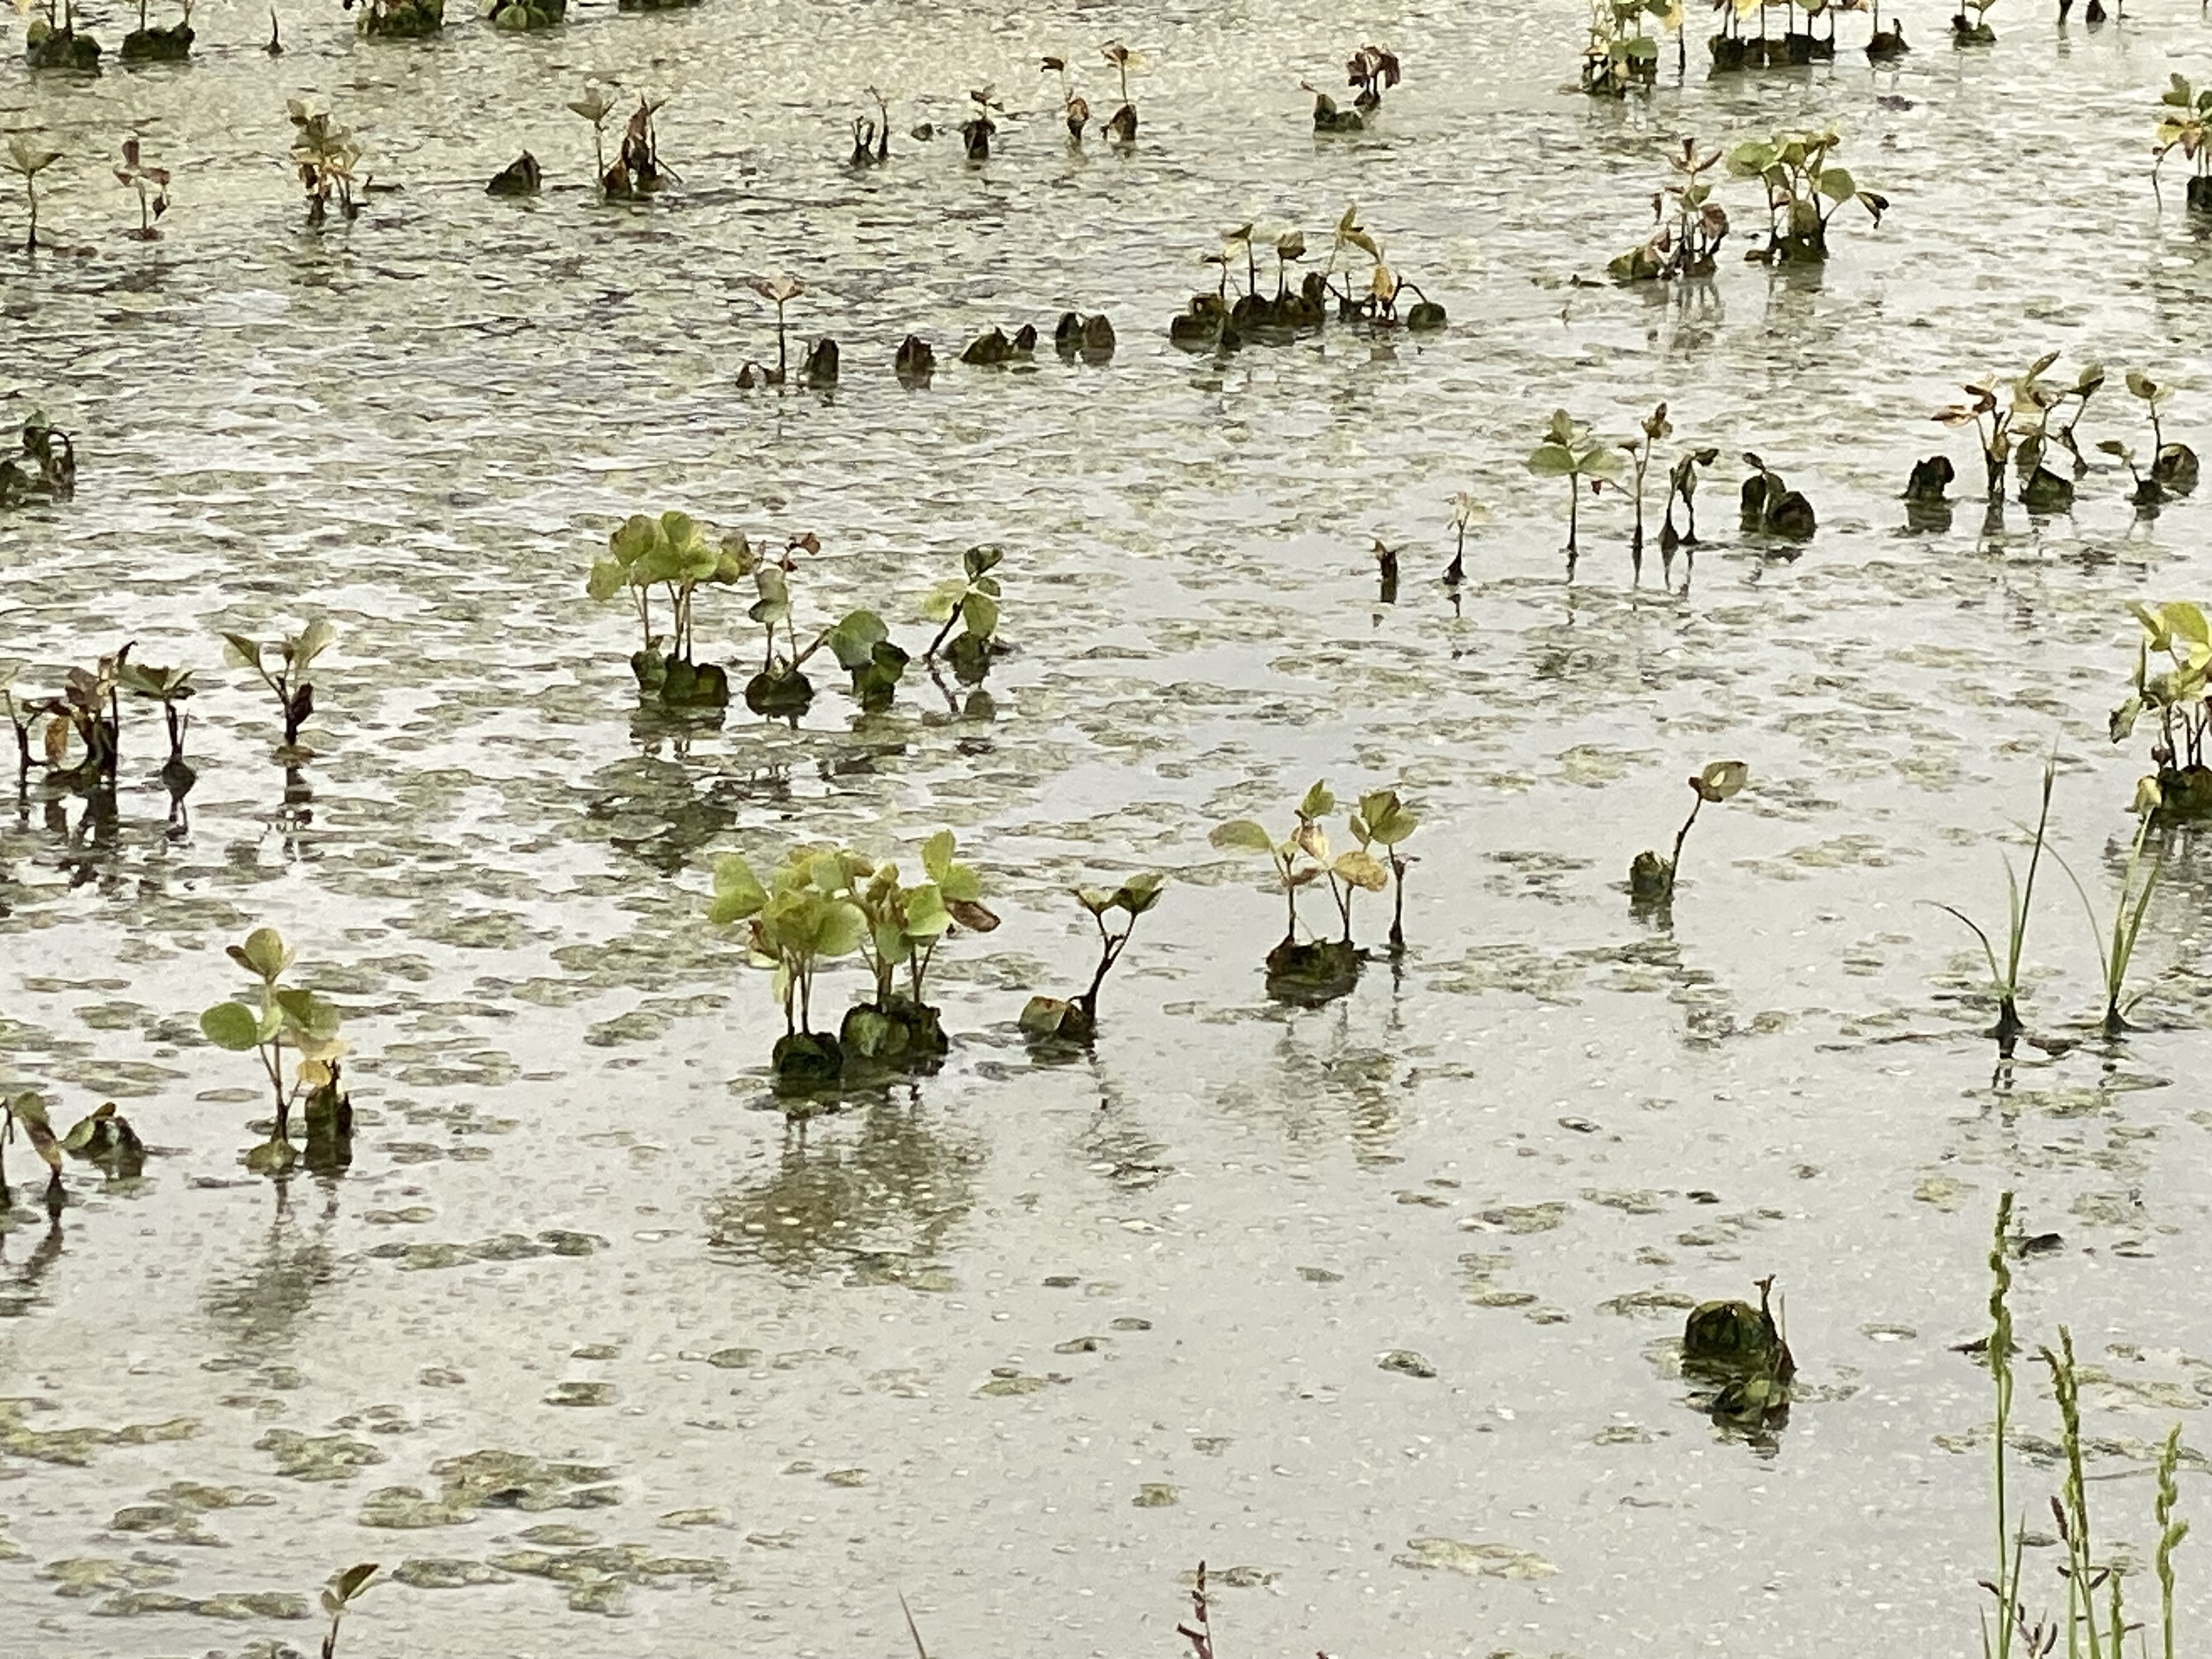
[
  {"x": 1682, "y": 486},
  {"x": 595, "y": 105},
  {"x": 1123, "y": 124},
  {"x": 1464, "y": 511},
  {"x": 1654, "y": 427},
  {"x": 284, "y": 1018},
  {"x": 28, "y": 159},
  {"x": 1570, "y": 452},
  {"x": 1383, "y": 820},
  {"x": 2004, "y": 981},
  {"x": 292, "y": 656},
  {"x": 779, "y": 291},
  {"x": 966, "y": 608},
  {"x": 170, "y": 687},
  {"x": 341, "y": 1593},
  {"x": 2115, "y": 947},
  {"x": 1071, "y": 103},
  {"x": 152, "y": 185},
  {"x": 1650, "y": 877},
  {"x": 1075, "y": 1018}
]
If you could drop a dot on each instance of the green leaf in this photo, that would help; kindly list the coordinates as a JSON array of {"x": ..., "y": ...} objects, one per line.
[
  {"x": 937, "y": 854},
  {"x": 842, "y": 928},
  {"x": 312, "y": 641},
  {"x": 1361, "y": 869},
  {"x": 979, "y": 615},
  {"x": 231, "y": 1025},
  {"x": 1722, "y": 779},
  {"x": 1550, "y": 460},
  {"x": 737, "y": 892},
  {"x": 239, "y": 651},
  {"x": 1836, "y": 184},
  {"x": 309, "y": 1014},
  {"x": 941, "y": 600},
  {"x": 263, "y": 954},
  {"x": 1043, "y": 1016},
  {"x": 1386, "y": 816},
  {"x": 1140, "y": 893},
  {"x": 1096, "y": 900},
  {"x": 1318, "y": 802},
  {"x": 865, "y": 1033},
  {"x": 926, "y": 914},
  {"x": 637, "y": 536},
  {"x": 854, "y": 639},
  {"x": 1243, "y": 835},
  {"x": 605, "y": 581}
]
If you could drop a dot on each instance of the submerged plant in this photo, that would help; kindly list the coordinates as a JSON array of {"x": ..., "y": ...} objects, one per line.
[
  {"x": 325, "y": 155},
  {"x": 87, "y": 712},
  {"x": 1323, "y": 967},
  {"x": 1651, "y": 877},
  {"x": 27, "y": 160},
  {"x": 1372, "y": 71},
  {"x": 1803, "y": 192},
  {"x": 103, "y": 1138},
  {"x": 1682, "y": 486},
  {"x": 1688, "y": 226},
  {"x": 2173, "y": 466},
  {"x": 803, "y": 918},
  {"x": 1464, "y": 511},
  {"x": 283, "y": 1021},
  {"x": 283, "y": 666},
  {"x": 1769, "y": 503},
  {"x": 595, "y": 105},
  {"x": 1570, "y": 451},
  {"x": 1073, "y": 105},
  {"x": 170, "y": 687},
  {"x": 966, "y": 608},
  {"x": 976, "y": 132},
  {"x": 671, "y": 553},
  {"x": 47, "y": 465},
  {"x": 1123, "y": 124},
  {"x": 779, "y": 291},
  {"x": 638, "y": 169},
  {"x": 171, "y": 45},
  {"x": 2177, "y": 637},
  {"x": 152, "y": 185},
  {"x": 2004, "y": 981},
  {"x": 2186, "y": 127},
  {"x": 1745, "y": 1351},
  {"x": 1976, "y": 31},
  {"x": 1385, "y": 821},
  {"x": 1621, "y": 52},
  {"x": 1075, "y": 1018},
  {"x": 1654, "y": 427}
]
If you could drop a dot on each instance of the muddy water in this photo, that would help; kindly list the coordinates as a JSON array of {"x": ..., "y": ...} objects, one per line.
[{"x": 593, "y": 1352}]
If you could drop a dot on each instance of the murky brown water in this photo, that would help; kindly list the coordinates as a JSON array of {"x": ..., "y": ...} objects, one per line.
[{"x": 587, "y": 1331}]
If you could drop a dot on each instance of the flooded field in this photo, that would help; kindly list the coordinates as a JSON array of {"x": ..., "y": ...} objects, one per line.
[{"x": 601, "y": 1346}]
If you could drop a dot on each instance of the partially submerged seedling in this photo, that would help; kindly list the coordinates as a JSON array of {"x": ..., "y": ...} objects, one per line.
[
  {"x": 915, "y": 362},
  {"x": 872, "y": 136},
  {"x": 2016, "y": 429},
  {"x": 1688, "y": 225},
  {"x": 1620, "y": 52},
  {"x": 523, "y": 14},
  {"x": 1123, "y": 124},
  {"x": 781, "y": 688},
  {"x": 976, "y": 130},
  {"x": 1321, "y": 969},
  {"x": 520, "y": 177},
  {"x": 401, "y": 19},
  {"x": 672, "y": 553},
  {"x": 1975, "y": 31},
  {"x": 1464, "y": 511},
  {"x": 1770, "y": 505},
  {"x": 1682, "y": 486},
  {"x": 45, "y": 464},
  {"x": 1376, "y": 299},
  {"x": 2187, "y": 127},
  {"x": 1746, "y": 1351},
  {"x": 84, "y": 721},
  {"x": 1651, "y": 877},
  {"x": 2173, "y": 466},
  {"x": 1092, "y": 339},
  {"x": 52, "y": 41},
  {"x": 169, "y": 45},
  {"x": 152, "y": 185},
  {"x": 284, "y": 1022},
  {"x": 1073, "y": 105},
  {"x": 2019, "y": 897},
  {"x": 1572, "y": 452},
  {"x": 27, "y": 159},
  {"x": 821, "y": 904},
  {"x": 339, "y": 1595},
  {"x": 779, "y": 291},
  {"x": 966, "y": 608},
  {"x": 283, "y": 666},
  {"x": 2176, "y": 634},
  {"x": 1075, "y": 1018},
  {"x": 1654, "y": 427},
  {"x": 1802, "y": 192},
  {"x": 326, "y": 155},
  {"x": 1372, "y": 71},
  {"x": 595, "y": 105},
  {"x": 170, "y": 687}
]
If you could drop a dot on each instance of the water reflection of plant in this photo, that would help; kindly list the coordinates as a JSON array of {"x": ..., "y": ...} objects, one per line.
[{"x": 887, "y": 1180}]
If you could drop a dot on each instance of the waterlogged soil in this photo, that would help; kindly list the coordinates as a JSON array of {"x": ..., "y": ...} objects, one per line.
[{"x": 1371, "y": 1306}]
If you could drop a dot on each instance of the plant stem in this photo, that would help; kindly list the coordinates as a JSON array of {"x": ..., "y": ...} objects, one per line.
[{"x": 1674, "y": 863}]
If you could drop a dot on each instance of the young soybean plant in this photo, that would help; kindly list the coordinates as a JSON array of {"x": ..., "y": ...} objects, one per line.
[
  {"x": 1650, "y": 877},
  {"x": 340, "y": 1594},
  {"x": 1571, "y": 451},
  {"x": 291, "y": 656},
  {"x": 1075, "y": 1018},
  {"x": 284, "y": 1018}
]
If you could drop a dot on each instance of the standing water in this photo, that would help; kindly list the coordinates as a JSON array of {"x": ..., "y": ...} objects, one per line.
[{"x": 598, "y": 1345}]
